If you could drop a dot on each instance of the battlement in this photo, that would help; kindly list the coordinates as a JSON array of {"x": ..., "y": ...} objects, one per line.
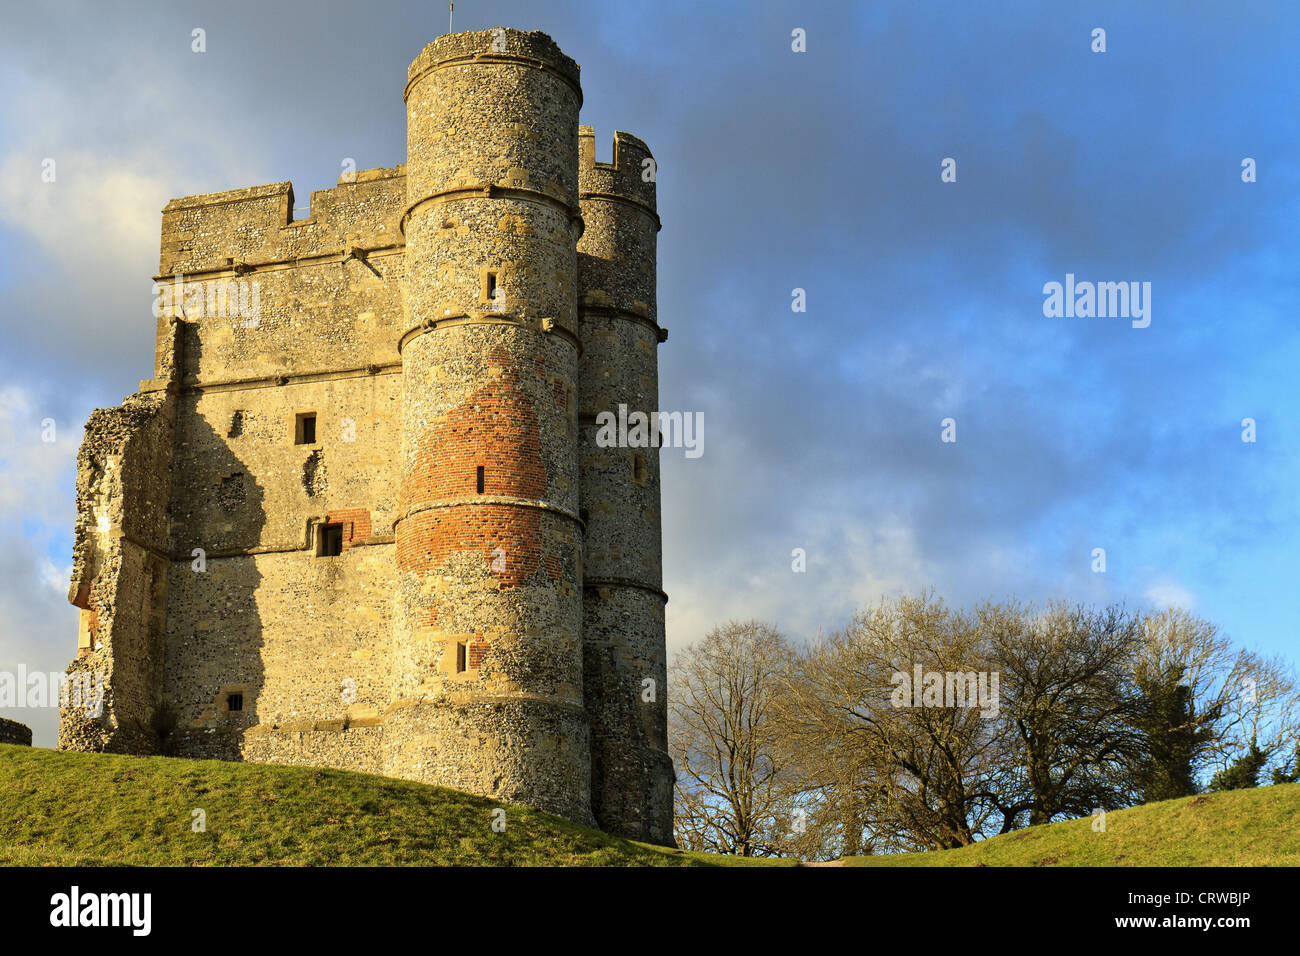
[
  {"x": 630, "y": 176},
  {"x": 497, "y": 44},
  {"x": 241, "y": 229}
]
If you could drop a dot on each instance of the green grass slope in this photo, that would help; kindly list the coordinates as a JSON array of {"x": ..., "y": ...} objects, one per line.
[
  {"x": 75, "y": 809},
  {"x": 104, "y": 810},
  {"x": 1258, "y": 827}
]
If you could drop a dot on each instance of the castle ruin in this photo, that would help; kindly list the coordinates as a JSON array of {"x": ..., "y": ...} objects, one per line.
[{"x": 358, "y": 518}]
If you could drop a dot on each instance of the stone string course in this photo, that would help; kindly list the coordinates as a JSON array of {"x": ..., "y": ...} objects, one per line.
[{"x": 454, "y": 324}]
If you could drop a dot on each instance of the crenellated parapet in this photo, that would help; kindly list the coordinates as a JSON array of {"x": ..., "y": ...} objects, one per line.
[
  {"x": 256, "y": 287},
  {"x": 616, "y": 268},
  {"x": 629, "y": 178},
  {"x": 245, "y": 230}
]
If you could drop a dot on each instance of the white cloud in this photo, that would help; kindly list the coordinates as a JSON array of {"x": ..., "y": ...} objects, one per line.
[
  {"x": 101, "y": 210},
  {"x": 38, "y": 628},
  {"x": 848, "y": 565},
  {"x": 30, "y": 466},
  {"x": 1165, "y": 594},
  {"x": 90, "y": 238}
]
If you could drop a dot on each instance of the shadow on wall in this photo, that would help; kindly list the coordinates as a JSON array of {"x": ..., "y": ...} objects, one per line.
[{"x": 212, "y": 676}]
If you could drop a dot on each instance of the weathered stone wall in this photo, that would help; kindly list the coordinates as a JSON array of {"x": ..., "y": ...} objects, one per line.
[
  {"x": 327, "y": 289},
  {"x": 623, "y": 602},
  {"x": 241, "y": 481},
  {"x": 12, "y": 732},
  {"x": 119, "y": 576},
  {"x": 427, "y": 318},
  {"x": 301, "y": 637}
]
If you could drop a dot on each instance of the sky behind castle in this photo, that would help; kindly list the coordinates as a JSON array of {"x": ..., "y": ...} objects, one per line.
[{"x": 777, "y": 170}]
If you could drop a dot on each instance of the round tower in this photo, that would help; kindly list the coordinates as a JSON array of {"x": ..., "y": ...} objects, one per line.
[
  {"x": 625, "y": 670},
  {"x": 487, "y": 621}
]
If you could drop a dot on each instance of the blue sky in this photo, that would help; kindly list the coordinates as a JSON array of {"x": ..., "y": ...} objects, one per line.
[{"x": 817, "y": 170}]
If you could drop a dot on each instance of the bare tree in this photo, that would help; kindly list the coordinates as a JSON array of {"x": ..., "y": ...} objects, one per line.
[
  {"x": 730, "y": 796},
  {"x": 834, "y": 750},
  {"x": 1069, "y": 703},
  {"x": 912, "y": 772}
]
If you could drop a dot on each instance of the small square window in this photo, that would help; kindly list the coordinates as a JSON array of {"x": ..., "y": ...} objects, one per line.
[
  {"x": 329, "y": 541},
  {"x": 305, "y": 429},
  {"x": 234, "y": 702}
]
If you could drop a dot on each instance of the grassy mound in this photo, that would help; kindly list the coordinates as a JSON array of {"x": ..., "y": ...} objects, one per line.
[
  {"x": 76, "y": 809},
  {"x": 1258, "y": 827}
]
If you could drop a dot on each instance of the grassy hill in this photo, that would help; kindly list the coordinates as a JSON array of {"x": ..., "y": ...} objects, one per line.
[
  {"x": 101, "y": 809},
  {"x": 75, "y": 809},
  {"x": 1258, "y": 827}
]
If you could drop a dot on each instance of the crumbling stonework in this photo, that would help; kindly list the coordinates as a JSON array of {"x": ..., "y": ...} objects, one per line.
[
  {"x": 359, "y": 518},
  {"x": 12, "y": 732}
]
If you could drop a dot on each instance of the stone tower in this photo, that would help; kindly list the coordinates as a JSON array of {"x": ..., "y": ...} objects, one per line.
[
  {"x": 623, "y": 598},
  {"x": 489, "y": 542},
  {"x": 370, "y": 526}
]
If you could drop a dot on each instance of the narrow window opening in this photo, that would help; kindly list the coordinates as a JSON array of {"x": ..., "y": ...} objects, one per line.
[
  {"x": 490, "y": 289},
  {"x": 234, "y": 702},
  {"x": 638, "y": 468},
  {"x": 305, "y": 429},
  {"x": 460, "y": 658},
  {"x": 329, "y": 541},
  {"x": 480, "y": 479}
]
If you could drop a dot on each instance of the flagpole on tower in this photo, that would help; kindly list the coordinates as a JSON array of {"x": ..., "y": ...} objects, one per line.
[{"x": 451, "y": 8}]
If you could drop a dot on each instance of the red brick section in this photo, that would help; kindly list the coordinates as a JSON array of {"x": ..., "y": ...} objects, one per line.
[
  {"x": 356, "y": 524},
  {"x": 426, "y": 539},
  {"x": 476, "y": 651},
  {"x": 496, "y": 428}
]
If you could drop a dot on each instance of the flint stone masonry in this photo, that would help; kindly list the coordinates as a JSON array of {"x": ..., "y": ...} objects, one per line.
[
  {"x": 12, "y": 732},
  {"x": 449, "y": 581}
]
